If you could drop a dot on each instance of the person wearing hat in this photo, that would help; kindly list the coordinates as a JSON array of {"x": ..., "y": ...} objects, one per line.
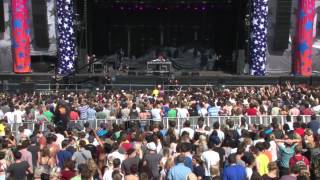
[{"x": 152, "y": 161}]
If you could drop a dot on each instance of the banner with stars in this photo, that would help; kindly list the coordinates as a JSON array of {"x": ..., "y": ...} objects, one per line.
[
  {"x": 258, "y": 40},
  {"x": 20, "y": 36},
  {"x": 66, "y": 38},
  {"x": 302, "y": 59}
]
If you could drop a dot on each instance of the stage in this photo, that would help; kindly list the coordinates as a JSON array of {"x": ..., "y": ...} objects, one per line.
[{"x": 140, "y": 79}]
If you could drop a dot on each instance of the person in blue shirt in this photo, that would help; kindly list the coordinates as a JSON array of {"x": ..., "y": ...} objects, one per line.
[
  {"x": 63, "y": 154},
  {"x": 213, "y": 110},
  {"x": 179, "y": 171},
  {"x": 234, "y": 171},
  {"x": 314, "y": 124}
]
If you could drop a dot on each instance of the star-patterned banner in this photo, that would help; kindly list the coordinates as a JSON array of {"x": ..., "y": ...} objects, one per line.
[
  {"x": 302, "y": 59},
  {"x": 20, "y": 36},
  {"x": 66, "y": 38},
  {"x": 258, "y": 41}
]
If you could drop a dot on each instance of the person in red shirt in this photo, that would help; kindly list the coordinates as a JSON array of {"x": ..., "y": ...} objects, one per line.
[
  {"x": 298, "y": 158},
  {"x": 68, "y": 171},
  {"x": 74, "y": 116},
  {"x": 298, "y": 129},
  {"x": 307, "y": 110},
  {"x": 252, "y": 111}
]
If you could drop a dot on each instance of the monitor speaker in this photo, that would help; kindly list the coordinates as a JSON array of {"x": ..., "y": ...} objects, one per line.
[
  {"x": 40, "y": 24},
  {"x": 282, "y": 26}
]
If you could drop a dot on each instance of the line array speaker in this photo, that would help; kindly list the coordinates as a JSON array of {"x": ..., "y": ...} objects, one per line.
[
  {"x": 2, "y": 28},
  {"x": 282, "y": 26},
  {"x": 40, "y": 24}
]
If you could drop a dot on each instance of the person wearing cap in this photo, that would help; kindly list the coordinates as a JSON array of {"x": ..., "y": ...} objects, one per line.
[
  {"x": 179, "y": 171},
  {"x": 152, "y": 161}
]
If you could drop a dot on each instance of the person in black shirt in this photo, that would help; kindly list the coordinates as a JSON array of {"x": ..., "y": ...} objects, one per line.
[
  {"x": 19, "y": 169},
  {"x": 198, "y": 168},
  {"x": 34, "y": 149}
]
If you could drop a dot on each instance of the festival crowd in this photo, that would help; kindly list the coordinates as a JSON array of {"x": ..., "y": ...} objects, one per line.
[{"x": 138, "y": 146}]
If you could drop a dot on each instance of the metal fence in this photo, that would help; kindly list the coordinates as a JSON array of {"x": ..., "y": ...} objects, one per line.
[{"x": 208, "y": 121}]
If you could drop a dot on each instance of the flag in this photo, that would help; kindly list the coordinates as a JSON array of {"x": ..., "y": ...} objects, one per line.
[
  {"x": 66, "y": 38},
  {"x": 258, "y": 39},
  {"x": 302, "y": 59},
  {"x": 20, "y": 36}
]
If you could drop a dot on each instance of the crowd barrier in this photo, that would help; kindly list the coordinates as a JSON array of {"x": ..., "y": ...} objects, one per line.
[
  {"x": 208, "y": 121},
  {"x": 53, "y": 87}
]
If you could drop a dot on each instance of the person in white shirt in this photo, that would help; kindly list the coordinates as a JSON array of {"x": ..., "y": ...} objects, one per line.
[
  {"x": 260, "y": 139},
  {"x": 18, "y": 114},
  {"x": 186, "y": 127},
  {"x": 202, "y": 111},
  {"x": 183, "y": 112},
  {"x": 60, "y": 137},
  {"x": 1, "y": 114},
  {"x": 118, "y": 154},
  {"x": 9, "y": 116},
  {"x": 113, "y": 165},
  {"x": 210, "y": 158},
  {"x": 156, "y": 113}
]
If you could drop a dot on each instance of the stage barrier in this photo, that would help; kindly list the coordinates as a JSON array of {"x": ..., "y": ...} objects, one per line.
[{"x": 208, "y": 121}]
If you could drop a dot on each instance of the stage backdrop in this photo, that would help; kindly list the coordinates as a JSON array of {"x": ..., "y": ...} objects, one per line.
[
  {"x": 20, "y": 36},
  {"x": 258, "y": 41},
  {"x": 66, "y": 38}
]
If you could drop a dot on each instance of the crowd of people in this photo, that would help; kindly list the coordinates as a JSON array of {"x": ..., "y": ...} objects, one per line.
[{"x": 134, "y": 148}]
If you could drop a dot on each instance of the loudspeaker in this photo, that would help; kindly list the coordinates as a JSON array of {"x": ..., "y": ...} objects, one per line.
[
  {"x": 27, "y": 86},
  {"x": 241, "y": 61},
  {"x": 282, "y": 26},
  {"x": 40, "y": 24},
  {"x": 2, "y": 28}
]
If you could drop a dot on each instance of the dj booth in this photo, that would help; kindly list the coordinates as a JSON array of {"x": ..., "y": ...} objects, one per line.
[{"x": 157, "y": 66}]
